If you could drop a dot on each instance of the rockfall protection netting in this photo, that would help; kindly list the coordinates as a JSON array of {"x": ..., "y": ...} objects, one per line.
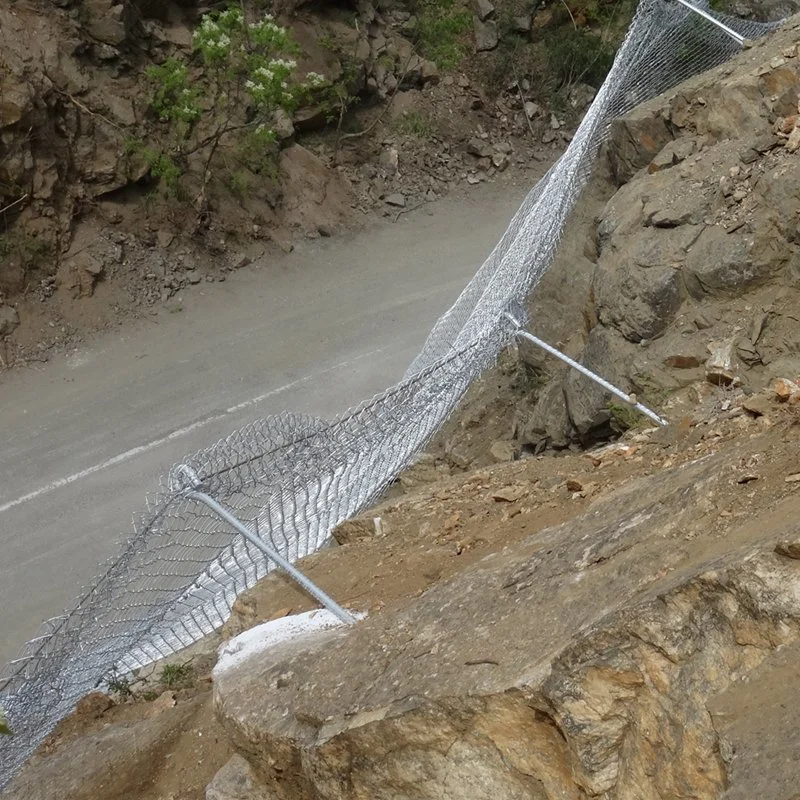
[{"x": 293, "y": 478}]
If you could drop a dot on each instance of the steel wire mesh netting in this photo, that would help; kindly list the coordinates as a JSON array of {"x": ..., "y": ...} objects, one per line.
[{"x": 292, "y": 478}]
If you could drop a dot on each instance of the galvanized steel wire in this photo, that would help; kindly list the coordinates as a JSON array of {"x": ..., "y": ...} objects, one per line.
[{"x": 293, "y": 478}]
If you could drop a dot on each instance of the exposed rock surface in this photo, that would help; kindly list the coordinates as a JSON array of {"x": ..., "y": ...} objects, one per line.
[
  {"x": 503, "y": 551},
  {"x": 684, "y": 253},
  {"x": 592, "y": 653},
  {"x": 236, "y": 781}
]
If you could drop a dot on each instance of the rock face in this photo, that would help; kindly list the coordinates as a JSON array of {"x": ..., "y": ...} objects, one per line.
[
  {"x": 686, "y": 238},
  {"x": 579, "y": 663}
]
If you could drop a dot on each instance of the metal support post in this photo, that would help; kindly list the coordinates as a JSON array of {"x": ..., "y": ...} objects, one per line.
[
  {"x": 626, "y": 398},
  {"x": 285, "y": 565},
  {"x": 737, "y": 37}
]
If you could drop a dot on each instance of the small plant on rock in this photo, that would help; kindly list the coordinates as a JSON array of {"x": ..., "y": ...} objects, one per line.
[
  {"x": 624, "y": 417},
  {"x": 29, "y": 251},
  {"x": 177, "y": 676},
  {"x": 120, "y": 686},
  {"x": 414, "y": 123},
  {"x": 246, "y": 73}
]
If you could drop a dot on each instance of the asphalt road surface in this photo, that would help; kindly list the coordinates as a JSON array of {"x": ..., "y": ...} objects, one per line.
[{"x": 85, "y": 436}]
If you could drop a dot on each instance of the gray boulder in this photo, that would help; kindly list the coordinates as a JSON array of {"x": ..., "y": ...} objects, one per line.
[{"x": 9, "y": 320}]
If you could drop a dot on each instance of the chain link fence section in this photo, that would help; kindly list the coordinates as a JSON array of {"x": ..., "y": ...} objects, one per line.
[{"x": 292, "y": 478}]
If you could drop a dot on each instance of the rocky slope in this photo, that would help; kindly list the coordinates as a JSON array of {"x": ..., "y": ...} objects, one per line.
[
  {"x": 679, "y": 266},
  {"x": 617, "y": 622},
  {"x": 597, "y": 624},
  {"x": 580, "y": 662},
  {"x": 421, "y": 94}
]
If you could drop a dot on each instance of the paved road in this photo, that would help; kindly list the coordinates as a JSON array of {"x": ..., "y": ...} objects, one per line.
[{"x": 85, "y": 436}]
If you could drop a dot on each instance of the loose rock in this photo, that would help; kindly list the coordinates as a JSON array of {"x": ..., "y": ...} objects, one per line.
[
  {"x": 236, "y": 781},
  {"x": 501, "y": 451},
  {"x": 398, "y": 200},
  {"x": 508, "y": 494},
  {"x": 486, "y": 37},
  {"x": 9, "y": 320},
  {"x": 719, "y": 367},
  {"x": 484, "y": 9}
]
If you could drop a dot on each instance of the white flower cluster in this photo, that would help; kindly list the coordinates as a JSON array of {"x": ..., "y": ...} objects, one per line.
[
  {"x": 267, "y": 26},
  {"x": 314, "y": 79},
  {"x": 263, "y": 78},
  {"x": 211, "y": 37},
  {"x": 233, "y": 14},
  {"x": 266, "y": 74},
  {"x": 284, "y": 63}
]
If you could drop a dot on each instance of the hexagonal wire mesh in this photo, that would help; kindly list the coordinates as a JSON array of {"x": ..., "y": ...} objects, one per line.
[{"x": 293, "y": 478}]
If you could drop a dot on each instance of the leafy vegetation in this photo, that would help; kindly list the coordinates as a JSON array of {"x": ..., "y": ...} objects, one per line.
[
  {"x": 414, "y": 123},
  {"x": 247, "y": 74},
  {"x": 576, "y": 55},
  {"x": 177, "y": 676},
  {"x": 624, "y": 417},
  {"x": 239, "y": 183},
  {"x": 120, "y": 686},
  {"x": 30, "y": 251},
  {"x": 441, "y": 32},
  {"x": 338, "y": 96},
  {"x": 577, "y": 44},
  {"x": 160, "y": 164},
  {"x": 4, "y": 729},
  {"x": 174, "y": 99}
]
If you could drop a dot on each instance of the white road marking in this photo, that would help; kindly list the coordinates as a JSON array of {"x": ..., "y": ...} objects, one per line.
[{"x": 176, "y": 434}]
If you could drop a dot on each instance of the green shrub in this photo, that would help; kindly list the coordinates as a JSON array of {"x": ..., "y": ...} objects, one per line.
[
  {"x": 120, "y": 686},
  {"x": 414, "y": 123},
  {"x": 624, "y": 417},
  {"x": 441, "y": 31},
  {"x": 174, "y": 99},
  {"x": 161, "y": 165},
  {"x": 247, "y": 74},
  {"x": 28, "y": 250},
  {"x": 239, "y": 183},
  {"x": 576, "y": 55},
  {"x": 176, "y": 676}
]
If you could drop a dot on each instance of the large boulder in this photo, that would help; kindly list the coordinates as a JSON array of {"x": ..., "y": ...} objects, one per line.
[
  {"x": 594, "y": 651},
  {"x": 313, "y": 196},
  {"x": 9, "y": 320}
]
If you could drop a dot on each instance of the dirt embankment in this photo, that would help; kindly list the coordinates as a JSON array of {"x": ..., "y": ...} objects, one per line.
[{"x": 113, "y": 199}]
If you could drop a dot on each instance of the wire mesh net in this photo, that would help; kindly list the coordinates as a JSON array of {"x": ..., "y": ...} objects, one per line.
[{"x": 293, "y": 478}]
